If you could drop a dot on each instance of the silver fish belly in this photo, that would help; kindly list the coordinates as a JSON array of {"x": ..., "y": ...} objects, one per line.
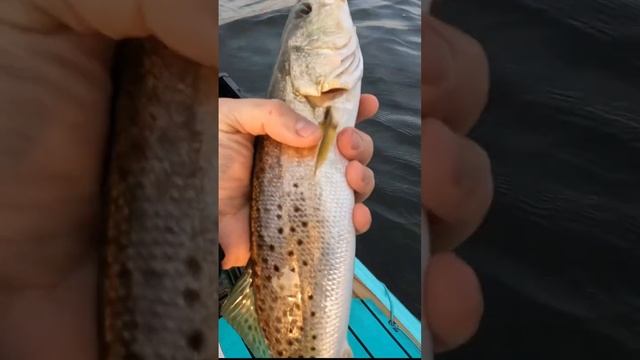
[{"x": 298, "y": 287}]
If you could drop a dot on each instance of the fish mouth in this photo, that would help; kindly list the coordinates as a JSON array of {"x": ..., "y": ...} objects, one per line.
[
  {"x": 333, "y": 72},
  {"x": 340, "y": 80},
  {"x": 326, "y": 97}
]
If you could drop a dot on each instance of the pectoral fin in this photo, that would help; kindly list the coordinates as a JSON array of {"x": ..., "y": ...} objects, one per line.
[
  {"x": 329, "y": 125},
  {"x": 239, "y": 311}
]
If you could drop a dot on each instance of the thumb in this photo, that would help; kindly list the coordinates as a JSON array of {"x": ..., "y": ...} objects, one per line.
[
  {"x": 187, "y": 26},
  {"x": 268, "y": 117}
]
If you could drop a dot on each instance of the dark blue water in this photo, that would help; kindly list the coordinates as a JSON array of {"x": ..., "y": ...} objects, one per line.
[
  {"x": 389, "y": 33},
  {"x": 559, "y": 254}
]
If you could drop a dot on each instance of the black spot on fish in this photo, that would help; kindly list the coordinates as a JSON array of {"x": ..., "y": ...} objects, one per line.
[
  {"x": 272, "y": 247},
  {"x": 292, "y": 229},
  {"x": 278, "y": 216},
  {"x": 280, "y": 353},
  {"x": 280, "y": 231},
  {"x": 313, "y": 348},
  {"x": 290, "y": 342},
  {"x": 279, "y": 207},
  {"x": 299, "y": 242},
  {"x": 193, "y": 266},
  {"x": 276, "y": 268},
  {"x": 296, "y": 209},
  {"x": 190, "y": 296},
  {"x": 310, "y": 296},
  {"x": 265, "y": 260},
  {"x": 313, "y": 313},
  {"x": 170, "y": 229},
  {"x": 293, "y": 269},
  {"x": 305, "y": 224},
  {"x": 314, "y": 337},
  {"x": 295, "y": 185},
  {"x": 290, "y": 253},
  {"x": 305, "y": 263},
  {"x": 195, "y": 340}
]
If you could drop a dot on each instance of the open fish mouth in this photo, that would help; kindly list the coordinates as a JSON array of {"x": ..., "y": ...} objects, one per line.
[
  {"x": 337, "y": 80},
  {"x": 326, "y": 97}
]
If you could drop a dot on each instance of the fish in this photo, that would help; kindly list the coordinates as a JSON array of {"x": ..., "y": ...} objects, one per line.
[
  {"x": 159, "y": 288},
  {"x": 294, "y": 297}
]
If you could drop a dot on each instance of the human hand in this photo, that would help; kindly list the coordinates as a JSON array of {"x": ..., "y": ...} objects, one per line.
[
  {"x": 240, "y": 120},
  {"x": 55, "y": 60},
  {"x": 457, "y": 186}
]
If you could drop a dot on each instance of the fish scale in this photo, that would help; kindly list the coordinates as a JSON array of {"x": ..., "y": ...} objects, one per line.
[{"x": 161, "y": 229}]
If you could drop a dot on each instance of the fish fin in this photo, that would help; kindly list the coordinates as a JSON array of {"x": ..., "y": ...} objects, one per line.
[
  {"x": 346, "y": 351},
  {"x": 329, "y": 127},
  {"x": 240, "y": 312}
]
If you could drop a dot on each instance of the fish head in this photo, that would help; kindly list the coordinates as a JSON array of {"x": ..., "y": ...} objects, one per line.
[{"x": 321, "y": 52}]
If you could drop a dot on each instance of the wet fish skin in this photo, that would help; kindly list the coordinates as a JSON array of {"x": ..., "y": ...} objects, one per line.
[
  {"x": 159, "y": 290},
  {"x": 303, "y": 239}
]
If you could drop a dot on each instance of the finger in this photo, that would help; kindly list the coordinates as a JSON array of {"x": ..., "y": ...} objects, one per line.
[
  {"x": 455, "y": 76},
  {"x": 457, "y": 187},
  {"x": 234, "y": 238},
  {"x": 268, "y": 117},
  {"x": 355, "y": 145},
  {"x": 368, "y": 107},
  {"x": 188, "y": 26},
  {"x": 361, "y": 218},
  {"x": 361, "y": 180},
  {"x": 452, "y": 301}
]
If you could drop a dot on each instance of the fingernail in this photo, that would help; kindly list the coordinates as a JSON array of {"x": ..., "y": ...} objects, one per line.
[
  {"x": 356, "y": 141},
  {"x": 305, "y": 128},
  {"x": 225, "y": 263}
]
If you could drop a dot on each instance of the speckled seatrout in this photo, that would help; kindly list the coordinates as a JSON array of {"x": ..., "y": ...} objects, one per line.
[
  {"x": 295, "y": 296},
  {"x": 160, "y": 290}
]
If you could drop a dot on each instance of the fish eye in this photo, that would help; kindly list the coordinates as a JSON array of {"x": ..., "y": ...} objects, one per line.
[{"x": 305, "y": 9}]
